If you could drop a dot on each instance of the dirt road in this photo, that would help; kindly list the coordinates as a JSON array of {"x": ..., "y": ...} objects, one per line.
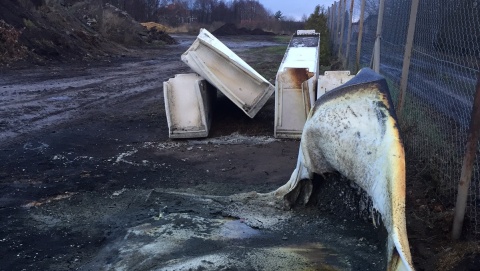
[{"x": 89, "y": 179}]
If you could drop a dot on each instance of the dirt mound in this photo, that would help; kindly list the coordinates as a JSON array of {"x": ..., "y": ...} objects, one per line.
[
  {"x": 156, "y": 26},
  {"x": 155, "y": 36},
  {"x": 158, "y": 32},
  {"x": 66, "y": 30},
  {"x": 230, "y": 29},
  {"x": 118, "y": 26}
]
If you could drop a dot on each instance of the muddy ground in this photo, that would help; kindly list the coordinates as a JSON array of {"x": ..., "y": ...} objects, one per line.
[{"x": 89, "y": 179}]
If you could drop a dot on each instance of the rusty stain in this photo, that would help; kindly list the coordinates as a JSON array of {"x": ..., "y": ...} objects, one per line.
[{"x": 294, "y": 77}]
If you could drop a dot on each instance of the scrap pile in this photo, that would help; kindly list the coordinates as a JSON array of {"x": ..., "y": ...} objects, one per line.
[
  {"x": 189, "y": 97},
  {"x": 347, "y": 124}
]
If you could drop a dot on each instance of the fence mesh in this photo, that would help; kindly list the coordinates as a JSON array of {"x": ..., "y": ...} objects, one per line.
[{"x": 440, "y": 89}]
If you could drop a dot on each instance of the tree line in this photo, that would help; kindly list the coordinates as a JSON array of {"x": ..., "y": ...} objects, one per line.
[
  {"x": 245, "y": 13},
  {"x": 176, "y": 12}
]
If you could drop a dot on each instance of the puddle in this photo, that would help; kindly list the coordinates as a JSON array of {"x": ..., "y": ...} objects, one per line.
[
  {"x": 35, "y": 146},
  {"x": 236, "y": 229},
  {"x": 194, "y": 232},
  {"x": 240, "y": 46},
  {"x": 235, "y": 44},
  {"x": 281, "y": 258},
  {"x": 199, "y": 241}
]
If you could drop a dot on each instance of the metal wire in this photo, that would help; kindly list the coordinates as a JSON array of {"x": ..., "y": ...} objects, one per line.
[{"x": 441, "y": 85}]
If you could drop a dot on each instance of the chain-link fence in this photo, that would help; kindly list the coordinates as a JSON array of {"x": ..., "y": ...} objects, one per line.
[{"x": 442, "y": 72}]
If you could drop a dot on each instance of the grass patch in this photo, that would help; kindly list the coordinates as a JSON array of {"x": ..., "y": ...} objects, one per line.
[
  {"x": 283, "y": 39},
  {"x": 265, "y": 60},
  {"x": 435, "y": 144},
  {"x": 273, "y": 51}
]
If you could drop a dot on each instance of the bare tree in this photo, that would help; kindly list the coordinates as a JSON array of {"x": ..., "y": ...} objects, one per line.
[{"x": 151, "y": 8}]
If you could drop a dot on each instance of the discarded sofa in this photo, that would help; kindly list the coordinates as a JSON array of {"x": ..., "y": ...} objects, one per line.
[
  {"x": 353, "y": 130},
  {"x": 188, "y": 105},
  {"x": 210, "y": 58},
  {"x": 296, "y": 83}
]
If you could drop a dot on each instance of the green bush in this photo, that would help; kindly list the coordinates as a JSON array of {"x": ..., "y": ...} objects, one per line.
[{"x": 318, "y": 21}]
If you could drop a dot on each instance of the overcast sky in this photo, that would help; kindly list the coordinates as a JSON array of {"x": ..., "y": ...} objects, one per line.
[{"x": 294, "y": 8}]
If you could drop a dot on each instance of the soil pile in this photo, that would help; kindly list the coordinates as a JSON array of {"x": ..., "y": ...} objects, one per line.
[
  {"x": 230, "y": 29},
  {"x": 37, "y": 30},
  {"x": 156, "y": 26},
  {"x": 157, "y": 32}
]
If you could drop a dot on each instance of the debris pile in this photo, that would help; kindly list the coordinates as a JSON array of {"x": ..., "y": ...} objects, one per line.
[
  {"x": 155, "y": 26},
  {"x": 351, "y": 126},
  {"x": 187, "y": 99},
  {"x": 230, "y": 29},
  {"x": 227, "y": 72}
]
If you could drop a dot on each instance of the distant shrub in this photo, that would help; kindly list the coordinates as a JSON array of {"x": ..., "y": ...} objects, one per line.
[{"x": 28, "y": 23}]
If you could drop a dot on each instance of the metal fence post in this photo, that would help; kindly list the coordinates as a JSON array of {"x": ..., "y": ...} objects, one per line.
[
  {"x": 342, "y": 10},
  {"x": 349, "y": 33},
  {"x": 467, "y": 165},
  {"x": 360, "y": 36},
  {"x": 407, "y": 57},
  {"x": 376, "y": 48}
]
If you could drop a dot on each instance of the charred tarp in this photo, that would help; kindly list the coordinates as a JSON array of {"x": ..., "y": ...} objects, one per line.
[{"x": 353, "y": 130}]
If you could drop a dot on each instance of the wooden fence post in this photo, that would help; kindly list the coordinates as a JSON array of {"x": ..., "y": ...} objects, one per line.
[
  {"x": 376, "y": 49},
  {"x": 329, "y": 12},
  {"x": 332, "y": 26},
  {"x": 467, "y": 166},
  {"x": 407, "y": 57},
  {"x": 349, "y": 33},
  {"x": 342, "y": 10},
  {"x": 360, "y": 36},
  {"x": 338, "y": 22},
  {"x": 330, "y": 17}
]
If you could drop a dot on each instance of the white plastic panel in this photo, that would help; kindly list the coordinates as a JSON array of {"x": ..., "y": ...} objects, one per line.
[
  {"x": 296, "y": 83},
  {"x": 188, "y": 103},
  {"x": 331, "y": 80},
  {"x": 295, "y": 91},
  {"x": 302, "y": 57},
  {"x": 306, "y": 32},
  {"x": 210, "y": 58}
]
